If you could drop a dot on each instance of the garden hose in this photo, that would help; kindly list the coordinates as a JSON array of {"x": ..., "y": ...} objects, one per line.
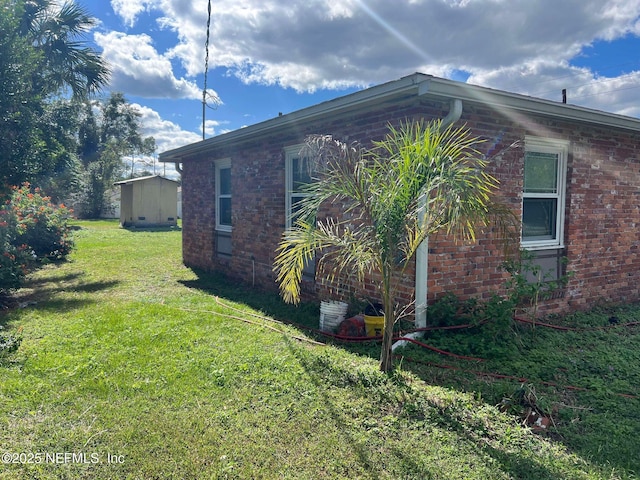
[{"x": 348, "y": 339}]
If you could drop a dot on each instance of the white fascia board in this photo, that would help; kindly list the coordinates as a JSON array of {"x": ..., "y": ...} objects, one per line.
[
  {"x": 339, "y": 105},
  {"x": 422, "y": 85},
  {"x": 496, "y": 98}
]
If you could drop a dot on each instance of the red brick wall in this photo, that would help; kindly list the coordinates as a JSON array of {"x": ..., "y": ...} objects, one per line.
[
  {"x": 198, "y": 215},
  {"x": 602, "y": 212},
  {"x": 603, "y": 204}
]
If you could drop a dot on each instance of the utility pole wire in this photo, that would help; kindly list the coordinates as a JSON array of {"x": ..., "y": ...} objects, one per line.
[{"x": 206, "y": 69}]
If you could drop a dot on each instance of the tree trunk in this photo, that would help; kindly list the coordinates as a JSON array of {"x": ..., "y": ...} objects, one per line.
[{"x": 386, "y": 355}]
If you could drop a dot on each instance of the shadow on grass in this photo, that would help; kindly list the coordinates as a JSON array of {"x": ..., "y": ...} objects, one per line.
[
  {"x": 43, "y": 292},
  {"x": 134, "y": 229},
  {"x": 367, "y": 457},
  {"x": 323, "y": 371},
  {"x": 306, "y": 315},
  {"x": 35, "y": 282},
  {"x": 267, "y": 302}
]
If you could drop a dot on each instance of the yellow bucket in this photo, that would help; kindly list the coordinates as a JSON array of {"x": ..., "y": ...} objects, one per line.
[{"x": 374, "y": 325}]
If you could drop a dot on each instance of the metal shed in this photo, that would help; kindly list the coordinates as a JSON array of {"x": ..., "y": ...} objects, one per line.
[{"x": 148, "y": 202}]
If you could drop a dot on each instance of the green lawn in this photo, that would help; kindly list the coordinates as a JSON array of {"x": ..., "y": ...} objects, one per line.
[{"x": 133, "y": 366}]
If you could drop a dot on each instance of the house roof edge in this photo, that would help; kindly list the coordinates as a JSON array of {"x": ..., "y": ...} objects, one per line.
[
  {"x": 362, "y": 97},
  {"x": 500, "y": 98},
  {"x": 422, "y": 85}
]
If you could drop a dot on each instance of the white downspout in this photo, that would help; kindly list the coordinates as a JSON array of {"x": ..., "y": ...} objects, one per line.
[
  {"x": 422, "y": 255},
  {"x": 455, "y": 112}
]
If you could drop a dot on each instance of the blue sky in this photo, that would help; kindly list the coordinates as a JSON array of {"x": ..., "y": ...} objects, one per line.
[{"x": 271, "y": 56}]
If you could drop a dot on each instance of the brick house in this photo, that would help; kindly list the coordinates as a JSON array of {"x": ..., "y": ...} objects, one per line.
[{"x": 573, "y": 179}]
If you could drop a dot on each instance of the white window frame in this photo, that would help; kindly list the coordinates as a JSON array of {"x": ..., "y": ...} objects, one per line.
[
  {"x": 291, "y": 153},
  {"x": 222, "y": 164},
  {"x": 560, "y": 148}
]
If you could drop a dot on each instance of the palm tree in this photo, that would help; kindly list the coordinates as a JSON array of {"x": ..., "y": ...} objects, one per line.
[
  {"x": 421, "y": 179},
  {"x": 66, "y": 62}
]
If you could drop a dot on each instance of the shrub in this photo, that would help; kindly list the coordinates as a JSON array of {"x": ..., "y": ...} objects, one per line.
[
  {"x": 32, "y": 231},
  {"x": 491, "y": 320},
  {"x": 14, "y": 261},
  {"x": 41, "y": 225}
]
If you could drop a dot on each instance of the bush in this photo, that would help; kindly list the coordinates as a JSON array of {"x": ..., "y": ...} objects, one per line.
[
  {"x": 32, "y": 231},
  {"x": 41, "y": 225},
  {"x": 14, "y": 261}
]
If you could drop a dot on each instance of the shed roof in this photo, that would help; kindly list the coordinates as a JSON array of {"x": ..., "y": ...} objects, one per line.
[
  {"x": 142, "y": 179},
  {"x": 417, "y": 84}
]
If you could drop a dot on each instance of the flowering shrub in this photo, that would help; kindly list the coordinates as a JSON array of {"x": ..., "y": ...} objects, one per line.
[
  {"x": 32, "y": 230},
  {"x": 13, "y": 261},
  {"x": 41, "y": 225}
]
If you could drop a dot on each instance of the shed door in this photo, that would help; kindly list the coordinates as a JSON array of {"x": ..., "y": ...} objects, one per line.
[{"x": 126, "y": 204}]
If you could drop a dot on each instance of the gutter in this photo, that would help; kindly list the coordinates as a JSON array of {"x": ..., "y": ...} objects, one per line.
[
  {"x": 500, "y": 99},
  {"x": 405, "y": 86},
  {"x": 416, "y": 84}
]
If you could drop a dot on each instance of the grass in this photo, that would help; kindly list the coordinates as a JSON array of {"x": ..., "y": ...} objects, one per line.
[
  {"x": 585, "y": 380},
  {"x": 151, "y": 370}
]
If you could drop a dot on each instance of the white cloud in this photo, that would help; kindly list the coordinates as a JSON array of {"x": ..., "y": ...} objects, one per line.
[
  {"x": 212, "y": 127},
  {"x": 138, "y": 69},
  {"x": 618, "y": 94},
  {"x": 519, "y": 45},
  {"x": 359, "y": 42},
  {"x": 168, "y": 135},
  {"x": 548, "y": 80},
  {"x": 311, "y": 44},
  {"x": 129, "y": 10}
]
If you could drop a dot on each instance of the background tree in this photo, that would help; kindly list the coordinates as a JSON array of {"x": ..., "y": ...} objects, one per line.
[
  {"x": 88, "y": 134},
  {"x": 65, "y": 62},
  {"x": 20, "y": 109},
  {"x": 421, "y": 179},
  {"x": 149, "y": 148},
  {"x": 61, "y": 167},
  {"x": 42, "y": 60},
  {"x": 110, "y": 132}
]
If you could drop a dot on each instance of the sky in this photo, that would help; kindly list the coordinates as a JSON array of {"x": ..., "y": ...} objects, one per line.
[{"x": 267, "y": 57}]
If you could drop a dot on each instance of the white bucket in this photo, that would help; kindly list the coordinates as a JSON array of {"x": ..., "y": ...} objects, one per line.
[{"x": 331, "y": 315}]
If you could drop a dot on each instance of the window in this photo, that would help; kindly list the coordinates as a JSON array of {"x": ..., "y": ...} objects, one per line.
[
  {"x": 223, "y": 195},
  {"x": 543, "y": 195},
  {"x": 297, "y": 175}
]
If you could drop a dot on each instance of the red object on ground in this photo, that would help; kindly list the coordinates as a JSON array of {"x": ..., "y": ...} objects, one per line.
[{"x": 352, "y": 327}]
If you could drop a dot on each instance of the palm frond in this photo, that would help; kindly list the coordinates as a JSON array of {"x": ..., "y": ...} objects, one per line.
[
  {"x": 67, "y": 62},
  {"x": 420, "y": 179},
  {"x": 296, "y": 249},
  {"x": 342, "y": 248}
]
